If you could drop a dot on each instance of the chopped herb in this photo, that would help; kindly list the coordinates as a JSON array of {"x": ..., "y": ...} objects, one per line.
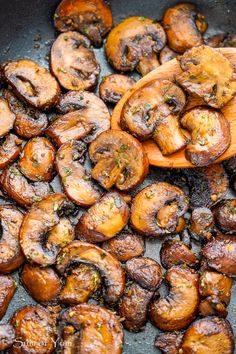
[
  {"x": 192, "y": 77},
  {"x": 123, "y": 148},
  {"x": 66, "y": 38},
  {"x": 149, "y": 195},
  {"x": 168, "y": 99},
  {"x": 136, "y": 109},
  {"x": 67, "y": 171},
  {"x": 86, "y": 177},
  {"x": 76, "y": 156},
  {"x": 142, "y": 19},
  {"x": 117, "y": 162},
  {"x": 36, "y": 199},
  {"x": 118, "y": 202},
  {"x": 61, "y": 156},
  {"x": 233, "y": 210},
  {"x": 55, "y": 17},
  {"x": 16, "y": 324},
  {"x": 103, "y": 255},
  {"x": 62, "y": 70}
]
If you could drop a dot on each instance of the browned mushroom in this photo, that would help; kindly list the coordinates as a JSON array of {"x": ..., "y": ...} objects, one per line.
[
  {"x": 63, "y": 233},
  {"x": 29, "y": 122},
  {"x": 7, "y": 336},
  {"x": 220, "y": 253},
  {"x": 166, "y": 54},
  {"x": 100, "y": 330},
  {"x": 114, "y": 86},
  {"x": 104, "y": 219},
  {"x": 135, "y": 42},
  {"x": 169, "y": 343},
  {"x": 11, "y": 256},
  {"x": 38, "y": 222},
  {"x": 33, "y": 83},
  {"x": 210, "y": 135},
  {"x": 78, "y": 251},
  {"x": 80, "y": 285},
  {"x": 175, "y": 253},
  {"x": 217, "y": 40},
  {"x": 158, "y": 209},
  {"x": 24, "y": 192},
  {"x": 37, "y": 160},
  {"x": 43, "y": 284},
  {"x": 120, "y": 160},
  {"x": 145, "y": 271},
  {"x": 70, "y": 340},
  {"x": 230, "y": 41},
  {"x": 224, "y": 215},
  {"x": 93, "y": 18},
  {"x": 6, "y": 116},
  {"x": 184, "y": 27},
  {"x": 85, "y": 117},
  {"x": 201, "y": 224},
  {"x": 212, "y": 306},
  {"x": 73, "y": 62},
  {"x": 208, "y": 335},
  {"x": 7, "y": 289},
  {"x": 200, "y": 65},
  {"x": 34, "y": 329},
  {"x": 125, "y": 246},
  {"x": 9, "y": 150},
  {"x": 74, "y": 179},
  {"x": 180, "y": 306},
  {"x": 152, "y": 111}
]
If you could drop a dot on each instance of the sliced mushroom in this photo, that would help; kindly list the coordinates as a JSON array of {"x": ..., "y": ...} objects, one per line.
[
  {"x": 9, "y": 150},
  {"x": 37, "y": 223},
  {"x": 6, "y": 116},
  {"x": 125, "y": 246},
  {"x": 104, "y": 219},
  {"x": 208, "y": 335},
  {"x": 63, "y": 233},
  {"x": 73, "y": 62},
  {"x": 134, "y": 307},
  {"x": 100, "y": 330},
  {"x": 34, "y": 329},
  {"x": 80, "y": 285},
  {"x": 184, "y": 27},
  {"x": 92, "y": 18},
  {"x": 152, "y": 111},
  {"x": 216, "y": 41},
  {"x": 120, "y": 160},
  {"x": 43, "y": 284},
  {"x": 134, "y": 39},
  {"x": 212, "y": 306},
  {"x": 175, "y": 253},
  {"x": 210, "y": 135},
  {"x": 224, "y": 215},
  {"x": 179, "y": 308},
  {"x": 220, "y": 253},
  {"x": 207, "y": 74},
  {"x": 168, "y": 343},
  {"x": 7, "y": 336},
  {"x": 37, "y": 160},
  {"x": 145, "y": 271},
  {"x": 201, "y": 224},
  {"x": 17, "y": 187},
  {"x": 29, "y": 122},
  {"x": 166, "y": 54},
  {"x": 7, "y": 290},
  {"x": 31, "y": 82},
  {"x": 114, "y": 86},
  {"x": 85, "y": 117},
  {"x": 83, "y": 252},
  {"x": 74, "y": 179},
  {"x": 158, "y": 209}
]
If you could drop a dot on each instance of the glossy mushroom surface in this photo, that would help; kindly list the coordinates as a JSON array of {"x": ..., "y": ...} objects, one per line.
[
  {"x": 10, "y": 149},
  {"x": 7, "y": 336},
  {"x": 114, "y": 86},
  {"x": 224, "y": 215},
  {"x": 166, "y": 54},
  {"x": 168, "y": 343},
  {"x": 201, "y": 224},
  {"x": 7, "y": 290},
  {"x": 6, "y": 116}
]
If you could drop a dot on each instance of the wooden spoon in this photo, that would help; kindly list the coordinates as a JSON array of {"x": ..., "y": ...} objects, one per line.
[{"x": 169, "y": 71}]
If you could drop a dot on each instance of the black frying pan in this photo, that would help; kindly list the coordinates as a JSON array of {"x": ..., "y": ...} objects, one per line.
[{"x": 26, "y": 31}]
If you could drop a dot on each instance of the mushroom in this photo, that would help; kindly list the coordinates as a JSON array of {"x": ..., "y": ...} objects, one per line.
[
  {"x": 219, "y": 254},
  {"x": 125, "y": 246},
  {"x": 179, "y": 308},
  {"x": 119, "y": 159},
  {"x": 230, "y": 167},
  {"x": 152, "y": 112},
  {"x": 135, "y": 42},
  {"x": 7, "y": 290},
  {"x": 41, "y": 218},
  {"x": 74, "y": 178},
  {"x": 114, "y": 86},
  {"x": 184, "y": 27},
  {"x": 208, "y": 75},
  {"x": 7, "y": 336},
  {"x": 35, "y": 278},
  {"x": 100, "y": 330},
  {"x": 158, "y": 209},
  {"x": 166, "y": 54},
  {"x": 174, "y": 253},
  {"x": 217, "y": 40},
  {"x": 212, "y": 306},
  {"x": 37, "y": 160},
  {"x": 69, "y": 340},
  {"x": 29, "y": 122},
  {"x": 73, "y": 62},
  {"x": 106, "y": 218},
  {"x": 9, "y": 150},
  {"x": 6, "y": 116},
  {"x": 84, "y": 117},
  {"x": 92, "y": 18},
  {"x": 17, "y": 187},
  {"x": 230, "y": 41},
  {"x": 201, "y": 224},
  {"x": 80, "y": 285},
  {"x": 168, "y": 343},
  {"x": 208, "y": 335},
  {"x": 34, "y": 327},
  {"x": 210, "y": 135},
  {"x": 109, "y": 267},
  {"x": 224, "y": 215},
  {"x": 31, "y": 82}
]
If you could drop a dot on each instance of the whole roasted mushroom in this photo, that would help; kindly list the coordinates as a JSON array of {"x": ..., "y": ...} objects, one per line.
[
  {"x": 201, "y": 224},
  {"x": 6, "y": 116},
  {"x": 114, "y": 86},
  {"x": 7, "y": 290},
  {"x": 10, "y": 149},
  {"x": 224, "y": 215},
  {"x": 7, "y": 336},
  {"x": 168, "y": 343}
]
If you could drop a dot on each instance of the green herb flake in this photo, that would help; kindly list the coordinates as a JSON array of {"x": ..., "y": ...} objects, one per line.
[
  {"x": 117, "y": 162},
  {"x": 142, "y": 19},
  {"x": 149, "y": 195},
  {"x": 123, "y": 148},
  {"x": 192, "y": 77},
  {"x": 67, "y": 171},
  {"x": 61, "y": 70},
  {"x": 103, "y": 255},
  {"x": 16, "y": 324},
  {"x": 168, "y": 99}
]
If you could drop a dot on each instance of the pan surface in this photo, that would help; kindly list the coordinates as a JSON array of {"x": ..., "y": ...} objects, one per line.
[{"x": 26, "y": 31}]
